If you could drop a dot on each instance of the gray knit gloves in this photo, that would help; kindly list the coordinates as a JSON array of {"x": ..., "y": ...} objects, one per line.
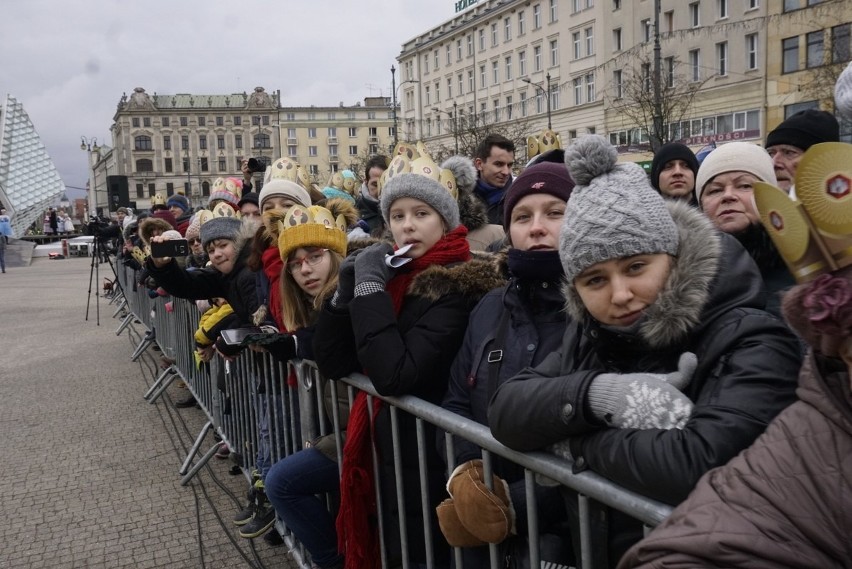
[
  {"x": 643, "y": 400},
  {"x": 371, "y": 271}
]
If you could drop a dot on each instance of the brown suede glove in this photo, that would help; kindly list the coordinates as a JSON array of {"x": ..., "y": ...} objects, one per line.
[
  {"x": 452, "y": 528},
  {"x": 485, "y": 514}
]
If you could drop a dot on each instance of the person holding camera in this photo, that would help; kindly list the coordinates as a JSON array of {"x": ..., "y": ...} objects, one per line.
[{"x": 249, "y": 167}]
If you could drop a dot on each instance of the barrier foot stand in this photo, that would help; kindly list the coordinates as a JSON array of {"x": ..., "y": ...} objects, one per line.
[
  {"x": 121, "y": 306},
  {"x": 191, "y": 472},
  {"x": 159, "y": 387},
  {"x": 140, "y": 349},
  {"x": 124, "y": 323}
]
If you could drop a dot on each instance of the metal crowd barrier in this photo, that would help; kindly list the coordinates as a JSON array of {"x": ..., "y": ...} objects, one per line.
[{"x": 293, "y": 399}]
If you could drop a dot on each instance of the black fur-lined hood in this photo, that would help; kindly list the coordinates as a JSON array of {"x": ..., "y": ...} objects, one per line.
[
  {"x": 711, "y": 274},
  {"x": 472, "y": 279}
]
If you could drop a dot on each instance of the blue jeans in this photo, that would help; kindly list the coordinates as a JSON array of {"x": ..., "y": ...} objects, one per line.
[{"x": 292, "y": 485}]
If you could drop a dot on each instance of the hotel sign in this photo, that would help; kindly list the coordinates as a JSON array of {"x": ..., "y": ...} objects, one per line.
[{"x": 464, "y": 4}]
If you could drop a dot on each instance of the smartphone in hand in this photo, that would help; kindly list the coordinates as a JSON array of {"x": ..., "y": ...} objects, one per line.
[{"x": 170, "y": 248}]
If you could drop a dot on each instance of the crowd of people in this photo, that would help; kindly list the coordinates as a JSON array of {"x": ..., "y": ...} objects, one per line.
[{"x": 648, "y": 328}]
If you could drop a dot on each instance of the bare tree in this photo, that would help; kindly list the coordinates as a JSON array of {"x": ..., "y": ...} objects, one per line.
[
  {"x": 633, "y": 97},
  {"x": 471, "y": 130}
]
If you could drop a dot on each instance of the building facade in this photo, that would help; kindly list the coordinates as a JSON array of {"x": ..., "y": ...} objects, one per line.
[
  {"x": 181, "y": 143},
  {"x": 722, "y": 68}
]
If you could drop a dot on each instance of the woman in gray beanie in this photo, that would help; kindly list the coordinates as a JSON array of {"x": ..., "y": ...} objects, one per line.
[
  {"x": 400, "y": 318},
  {"x": 669, "y": 366}
]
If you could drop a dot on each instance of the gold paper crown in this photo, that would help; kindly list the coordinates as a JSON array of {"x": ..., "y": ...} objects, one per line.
[
  {"x": 158, "y": 199},
  {"x": 813, "y": 234},
  {"x": 313, "y": 226},
  {"x": 288, "y": 169},
  {"x": 548, "y": 140},
  {"x": 409, "y": 159}
]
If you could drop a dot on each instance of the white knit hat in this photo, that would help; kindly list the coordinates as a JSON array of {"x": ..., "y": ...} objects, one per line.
[
  {"x": 735, "y": 157},
  {"x": 286, "y": 189}
]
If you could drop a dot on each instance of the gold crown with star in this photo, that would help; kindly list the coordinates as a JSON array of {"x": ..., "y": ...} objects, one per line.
[{"x": 813, "y": 233}]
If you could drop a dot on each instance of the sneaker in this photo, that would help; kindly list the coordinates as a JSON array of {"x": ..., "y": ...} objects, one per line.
[
  {"x": 245, "y": 515},
  {"x": 262, "y": 522},
  {"x": 223, "y": 452},
  {"x": 273, "y": 538},
  {"x": 184, "y": 403}
]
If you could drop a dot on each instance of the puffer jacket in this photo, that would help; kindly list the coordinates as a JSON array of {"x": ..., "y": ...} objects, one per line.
[
  {"x": 405, "y": 354},
  {"x": 784, "y": 502},
  {"x": 746, "y": 374}
]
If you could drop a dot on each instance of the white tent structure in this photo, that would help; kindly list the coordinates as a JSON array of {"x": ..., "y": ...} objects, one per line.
[{"x": 29, "y": 181}]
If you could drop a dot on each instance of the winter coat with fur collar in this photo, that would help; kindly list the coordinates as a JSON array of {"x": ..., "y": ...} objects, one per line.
[{"x": 711, "y": 305}]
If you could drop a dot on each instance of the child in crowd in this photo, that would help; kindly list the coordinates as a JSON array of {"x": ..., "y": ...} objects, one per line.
[
  {"x": 402, "y": 326},
  {"x": 669, "y": 365}
]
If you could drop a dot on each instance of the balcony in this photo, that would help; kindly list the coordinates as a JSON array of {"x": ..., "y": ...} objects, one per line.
[
  {"x": 291, "y": 141},
  {"x": 332, "y": 140},
  {"x": 373, "y": 140}
]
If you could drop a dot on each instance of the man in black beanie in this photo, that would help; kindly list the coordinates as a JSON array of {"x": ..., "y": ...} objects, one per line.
[
  {"x": 793, "y": 137},
  {"x": 673, "y": 172}
]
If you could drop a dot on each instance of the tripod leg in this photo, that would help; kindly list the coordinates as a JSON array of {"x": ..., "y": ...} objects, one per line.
[
  {"x": 91, "y": 274},
  {"x": 97, "y": 284}
]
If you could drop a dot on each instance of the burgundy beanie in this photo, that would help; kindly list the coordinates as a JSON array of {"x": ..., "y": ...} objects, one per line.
[{"x": 542, "y": 178}]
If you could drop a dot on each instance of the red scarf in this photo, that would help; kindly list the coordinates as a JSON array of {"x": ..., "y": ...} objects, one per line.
[
  {"x": 357, "y": 524},
  {"x": 272, "y": 266}
]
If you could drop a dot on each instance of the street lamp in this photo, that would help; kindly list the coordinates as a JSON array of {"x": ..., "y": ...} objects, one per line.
[
  {"x": 91, "y": 145},
  {"x": 546, "y": 94},
  {"x": 454, "y": 115}
]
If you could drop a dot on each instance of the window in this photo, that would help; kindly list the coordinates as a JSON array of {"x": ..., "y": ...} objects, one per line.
[
  {"x": 695, "y": 64},
  {"x": 291, "y": 133},
  {"x": 220, "y": 121},
  {"x": 618, "y": 83},
  {"x": 790, "y": 54},
  {"x": 289, "y": 117},
  {"x": 458, "y": 49},
  {"x": 791, "y": 5},
  {"x": 522, "y": 24},
  {"x": 435, "y": 58},
  {"x": 186, "y": 164},
  {"x": 204, "y": 164},
  {"x": 140, "y": 190},
  {"x": 722, "y": 58},
  {"x": 449, "y": 87},
  {"x": 577, "y": 45},
  {"x": 471, "y": 86},
  {"x": 668, "y": 66},
  {"x": 166, "y": 121},
  {"x": 722, "y": 11},
  {"x": 238, "y": 141},
  {"x": 255, "y": 120},
  {"x": 509, "y": 108},
  {"x": 202, "y": 121},
  {"x": 146, "y": 121},
  {"x": 332, "y": 150},
  {"x": 135, "y": 122},
  {"x": 495, "y": 73},
  {"x": 554, "y": 53},
  {"x": 493, "y": 34},
  {"x": 522, "y": 63},
  {"x": 523, "y": 104},
  {"x": 507, "y": 29},
  {"x": 167, "y": 163},
  {"x": 238, "y": 121},
  {"x": 428, "y": 95},
  {"x": 261, "y": 141},
  {"x": 202, "y": 142},
  {"x": 371, "y": 115},
  {"x": 752, "y": 5},
  {"x": 312, "y": 151},
  {"x": 554, "y": 97},
  {"x": 449, "y": 52},
  {"x": 509, "y": 68},
  {"x": 645, "y": 29},
  {"x": 790, "y": 110},
  {"x": 554, "y": 14},
  {"x": 167, "y": 142},
  {"x": 668, "y": 17},
  {"x": 222, "y": 165},
  {"x": 312, "y": 132},
  {"x": 482, "y": 77},
  {"x": 590, "y": 41},
  {"x": 481, "y": 40},
  {"x": 576, "y": 6},
  {"x": 537, "y": 58},
  {"x": 313, "y": 169},
  {"x": 537, "y": 16},
  {"x": 460, "y": 82},
  {"x": 616, "y": 5},
  {"x": 617, "y": 42},
  {"x": 694, "y": 15},
  {"x": 184, "y": 142},
  {"x": 470, "y": 44},
  {"x": 496, "y": 105},
  {"x": 437, "y": 91},
  {"x": 184, "y": 121},
  {"x": 220, "y": 141},
  {"x": 751, "y": 51},
  {"x": 578, "y": 90},
  {"x": 840, "y": 44},
  {"x": 292, "y": 150},
  {"x": 353, "y": 150},
  {"x": 815, "y": 53},
  {"x": 425, "y": 64},
  {"x": 539, "y": 101},
  {"x": 646, "y": 77},
  {"x": 332, "y": 132}
]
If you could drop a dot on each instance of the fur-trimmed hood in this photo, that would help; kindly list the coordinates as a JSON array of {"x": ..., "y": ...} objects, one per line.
[
  {"x": 709, "y": 275},
  {"x": 472, "y": 212},
  {"x": 149, "y": 225},
  {"x": 472, "y": 279}
]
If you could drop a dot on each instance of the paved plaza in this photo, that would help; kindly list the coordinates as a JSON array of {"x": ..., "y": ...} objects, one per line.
[{"x": 89, "y": 476}]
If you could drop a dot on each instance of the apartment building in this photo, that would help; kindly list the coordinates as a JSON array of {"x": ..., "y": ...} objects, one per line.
[
  {"x": 741, "y": 65},
  {"x": 181, "y": 143}
]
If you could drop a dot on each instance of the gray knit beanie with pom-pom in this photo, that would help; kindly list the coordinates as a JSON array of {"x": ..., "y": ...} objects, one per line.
[{"x": 613, "y": 211}]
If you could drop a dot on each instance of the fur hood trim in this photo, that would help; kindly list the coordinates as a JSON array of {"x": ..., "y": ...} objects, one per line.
[
  {"x": 472, "y": 279},
  {"x": 242, "y": 242},
  {"x": 679, "y": 305},
  {"x": 472, "y": 212},
  {"x": 151, "y": 224}
]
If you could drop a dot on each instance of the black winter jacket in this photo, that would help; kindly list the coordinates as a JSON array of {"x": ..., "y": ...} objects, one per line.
[{"x": 748, "y": 362}]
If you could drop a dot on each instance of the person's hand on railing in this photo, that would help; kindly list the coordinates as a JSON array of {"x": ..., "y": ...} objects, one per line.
[
  {"x": 205, "y": 354},
  {"x": 475, "y": 515},
  {"x": 643, "y": 400}
]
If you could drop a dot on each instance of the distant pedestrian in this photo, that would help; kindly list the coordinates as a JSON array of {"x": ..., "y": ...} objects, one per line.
[
  {"x": 3, "y": 253},
  {"x": 54, "y": 222},
  {"x": 5, "y": 225}
]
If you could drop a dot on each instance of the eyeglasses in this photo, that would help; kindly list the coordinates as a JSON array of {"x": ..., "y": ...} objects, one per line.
[
  {"x": 312, "y": 259},
  {"x": 194, "y": 241}
]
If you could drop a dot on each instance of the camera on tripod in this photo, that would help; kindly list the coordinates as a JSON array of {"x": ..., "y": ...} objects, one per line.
[
  {"x": 254, "y": 165},
  {"x": 96, "y": 226}
]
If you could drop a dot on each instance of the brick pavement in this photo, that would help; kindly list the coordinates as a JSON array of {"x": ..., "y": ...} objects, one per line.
[{"x": 89, "y": 476}]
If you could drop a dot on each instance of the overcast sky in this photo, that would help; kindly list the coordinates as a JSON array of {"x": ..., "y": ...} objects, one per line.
[{"x": 69, "y": 61}]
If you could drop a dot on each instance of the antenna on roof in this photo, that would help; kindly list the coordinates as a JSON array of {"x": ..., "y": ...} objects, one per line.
[{"x": 371, "y": 88}]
